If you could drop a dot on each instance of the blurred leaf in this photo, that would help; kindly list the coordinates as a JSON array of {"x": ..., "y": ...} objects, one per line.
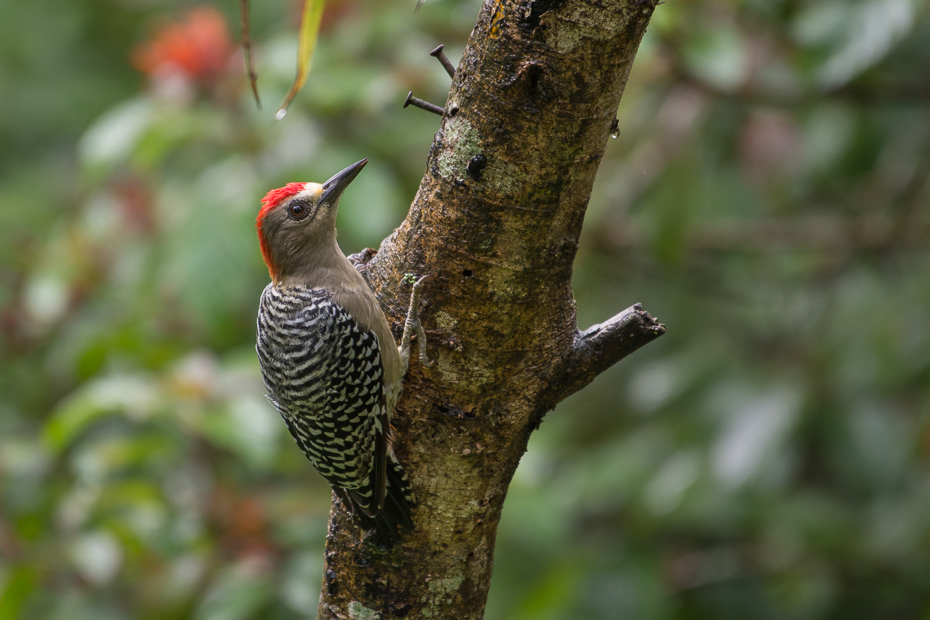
[
  {"x": 827, "y": 133},
  {"x": 208, "y": 258},
  {"x": 311, "y": 14},
  {"x": 133, "y": 396},
  {"x": 553, "y": 594},
  {"x": 301, "y": 574},
  {"x": 112, "y": 138},
  {"x": 46, "y": 299},
  {"x": 97, "y": 556},
  {"x": 249, "y": 427},
  {"x": 755, "y": 434},
  {"x": 20, "y": 583},
  {"x": 720, "y": 57},
  {"x": 671, "y": 481},
  {"x": 237, "y": 593},
  {"x": 857, "y": 34}
]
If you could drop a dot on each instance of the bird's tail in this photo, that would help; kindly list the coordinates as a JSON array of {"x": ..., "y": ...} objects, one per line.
[{"x": 394, "y": 517}]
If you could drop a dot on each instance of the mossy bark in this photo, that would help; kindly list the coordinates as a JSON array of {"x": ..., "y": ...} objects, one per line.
[{"x": 496, "y": 222}]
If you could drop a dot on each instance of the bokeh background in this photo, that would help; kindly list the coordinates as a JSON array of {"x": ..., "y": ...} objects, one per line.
[{"x": 767, "y": 198}]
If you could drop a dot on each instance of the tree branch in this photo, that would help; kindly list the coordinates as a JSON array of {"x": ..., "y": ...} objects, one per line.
[
  {"x": 598, "y": 348},
  {"x": 496, "y": 223}
]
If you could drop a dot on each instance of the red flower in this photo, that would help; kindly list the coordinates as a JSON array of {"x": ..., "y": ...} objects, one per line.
[{"x": 198, "y": 48}]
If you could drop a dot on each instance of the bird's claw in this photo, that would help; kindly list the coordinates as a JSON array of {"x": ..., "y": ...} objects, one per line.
[{"x": 412, "y": 324}]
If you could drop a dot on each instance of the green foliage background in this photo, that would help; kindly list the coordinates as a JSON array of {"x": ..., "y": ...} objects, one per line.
[{"x": 767, "y": 198}]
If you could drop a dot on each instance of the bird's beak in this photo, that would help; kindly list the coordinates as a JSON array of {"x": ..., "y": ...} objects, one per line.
[{"x": 339, "y": 181}]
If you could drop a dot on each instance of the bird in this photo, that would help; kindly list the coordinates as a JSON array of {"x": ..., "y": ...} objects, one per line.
[{"x": 329, "y": 361}]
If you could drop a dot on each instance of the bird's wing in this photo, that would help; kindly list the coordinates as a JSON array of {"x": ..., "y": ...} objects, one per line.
[{"x": 324, "y": 373}]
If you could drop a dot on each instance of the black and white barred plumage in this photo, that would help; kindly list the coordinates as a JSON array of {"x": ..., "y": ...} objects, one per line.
[{"x": 323, "y": 373}]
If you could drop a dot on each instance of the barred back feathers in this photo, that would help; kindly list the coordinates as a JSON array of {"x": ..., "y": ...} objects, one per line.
[{"x": 324, "y": 374}]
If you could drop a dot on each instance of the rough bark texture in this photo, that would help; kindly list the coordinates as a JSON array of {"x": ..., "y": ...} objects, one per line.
[{"x": 496, "y": 222}]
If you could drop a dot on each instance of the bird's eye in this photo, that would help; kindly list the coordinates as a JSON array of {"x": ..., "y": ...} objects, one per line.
[{"x": 298, "y": 210}]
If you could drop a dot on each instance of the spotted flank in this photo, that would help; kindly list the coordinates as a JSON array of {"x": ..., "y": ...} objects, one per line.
[{"x": 323, "y": 373}]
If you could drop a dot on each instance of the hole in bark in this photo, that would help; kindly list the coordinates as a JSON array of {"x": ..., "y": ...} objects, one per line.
[
  {"x": 537, "y": 9},
  {"x": 330, "y": 578},
  {"x": 458, "y": 414},
  {"x": 468, "y": 273},
  {"x": 533, "y": 84},
  {"x": 534, "y": 75},
  {"x": 477, "y": 164}
]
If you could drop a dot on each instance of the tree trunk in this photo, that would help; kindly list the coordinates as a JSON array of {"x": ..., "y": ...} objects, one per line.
[{"x": 496, "y": 221}]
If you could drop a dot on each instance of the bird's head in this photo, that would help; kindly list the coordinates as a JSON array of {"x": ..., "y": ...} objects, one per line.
[{"x": 299, "y": 219}]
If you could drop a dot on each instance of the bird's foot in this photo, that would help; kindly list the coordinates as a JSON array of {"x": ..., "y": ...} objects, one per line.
[{"x": 413, "y": 326}]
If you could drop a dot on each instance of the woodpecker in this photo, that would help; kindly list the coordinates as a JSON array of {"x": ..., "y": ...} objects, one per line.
[{"x": 329, "y": 361}]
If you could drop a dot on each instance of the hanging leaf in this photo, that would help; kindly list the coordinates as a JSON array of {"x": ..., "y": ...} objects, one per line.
[{"x": 309, "y": 30}]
